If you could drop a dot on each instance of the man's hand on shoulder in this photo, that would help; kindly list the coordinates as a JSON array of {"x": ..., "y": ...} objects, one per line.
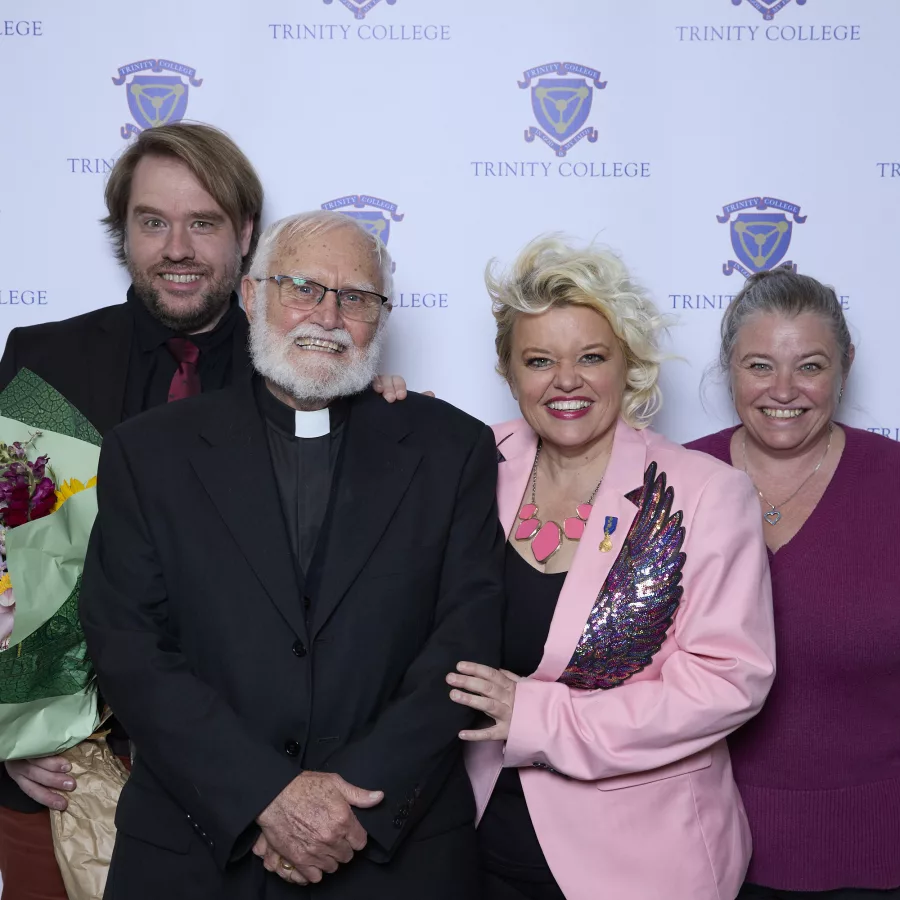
[
  {"x": 35, "y": 777},
  {"x": 393, "y": 387},
  {"x": 310, "y": 829}
]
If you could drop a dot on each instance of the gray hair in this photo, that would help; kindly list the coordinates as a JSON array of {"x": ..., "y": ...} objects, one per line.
[
  {"x": 784, "y": 292},
  {"x": 307, "y": 225}
]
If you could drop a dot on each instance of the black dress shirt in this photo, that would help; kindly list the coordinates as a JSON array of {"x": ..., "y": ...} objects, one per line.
[
  {"x": 507, "y": 840},
  {"x": 151, "y": 365},
  {"x": 304, "y": 469}
]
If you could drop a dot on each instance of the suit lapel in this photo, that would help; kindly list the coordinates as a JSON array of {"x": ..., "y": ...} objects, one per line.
[
  {"x": 517, "y": 444},
  {"x": 109, "y": 350},
  {"x": 590, "y": 566},
  {"x": 250, "y": 507},
  {"x": 374, "y": 474},
  {"x": 241, "y": 366}
]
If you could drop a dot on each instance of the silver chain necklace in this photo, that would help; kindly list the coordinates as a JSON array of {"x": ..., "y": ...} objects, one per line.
[{"x": 773, "y": 516}]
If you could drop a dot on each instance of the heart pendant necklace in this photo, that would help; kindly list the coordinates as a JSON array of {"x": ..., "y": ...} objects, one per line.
[
  {"x": 546, "y": 537},
  {"x": 773, "y": 515}
]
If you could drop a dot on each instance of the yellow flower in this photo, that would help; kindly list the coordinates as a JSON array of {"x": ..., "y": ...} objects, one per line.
[
  {"x": 69, "y": 489},
  {"x": 5, "y": 583}
]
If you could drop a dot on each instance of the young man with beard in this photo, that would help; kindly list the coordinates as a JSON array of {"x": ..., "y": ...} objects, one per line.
[
  {"x": 184, "y": 207},
  {"x": 273, "y": 616}
]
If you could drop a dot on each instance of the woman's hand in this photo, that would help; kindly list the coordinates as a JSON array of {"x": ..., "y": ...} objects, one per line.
[
  {"x": 393, "y": 387},
  {"x": 493, "y": 691}
]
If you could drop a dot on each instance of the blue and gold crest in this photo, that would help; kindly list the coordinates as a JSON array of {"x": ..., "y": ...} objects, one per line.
[
  {"x": 373, "y": 220},
  {"x": 760, "y": 238},
  {"x": 154, "y": 98},
  {"x": 769, "y": 8},
  {"x": 562, "y": 105},
  {"x": 359, "y": 8}
]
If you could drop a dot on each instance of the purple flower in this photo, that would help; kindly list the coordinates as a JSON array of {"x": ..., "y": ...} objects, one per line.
[
  {"x": 43, "y": 499},
  {"x": 26, "y": 493}
]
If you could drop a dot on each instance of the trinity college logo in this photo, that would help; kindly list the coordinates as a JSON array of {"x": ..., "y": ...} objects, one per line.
[
  {"x": 373, "y": 220},
  {"x": 156, "y": 99},
  {"x": 768, "y": 8},
  {"x": 562, "y": 105},
  {"x": 760, "y": 238},
  {"x": 359, "y": 8}
]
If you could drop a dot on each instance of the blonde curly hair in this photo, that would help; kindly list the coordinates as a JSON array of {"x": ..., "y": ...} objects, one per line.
[{"x": 550, "y": 272}]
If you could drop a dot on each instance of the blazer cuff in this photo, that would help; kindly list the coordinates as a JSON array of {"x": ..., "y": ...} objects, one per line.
[{"x": 529, "y": 737}]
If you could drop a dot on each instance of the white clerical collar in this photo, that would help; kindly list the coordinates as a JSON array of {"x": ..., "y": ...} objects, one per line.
[{"x": 312, "y": 423}]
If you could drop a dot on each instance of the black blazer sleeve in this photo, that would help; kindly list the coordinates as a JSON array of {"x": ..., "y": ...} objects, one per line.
[
  {"x": 184, "y": 731},
  {"x": 415, "y": 739},
  {"x": 8, "y": 364}
]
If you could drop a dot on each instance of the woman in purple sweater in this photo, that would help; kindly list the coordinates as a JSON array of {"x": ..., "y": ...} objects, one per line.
[{"x": 819, "y": 767}]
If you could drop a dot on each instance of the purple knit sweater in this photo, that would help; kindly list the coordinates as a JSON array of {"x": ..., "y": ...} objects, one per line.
[{"x": 819, "y": 767}]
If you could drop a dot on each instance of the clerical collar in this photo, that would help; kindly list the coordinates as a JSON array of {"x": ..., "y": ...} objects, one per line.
[{"x": 296, "y": 423}]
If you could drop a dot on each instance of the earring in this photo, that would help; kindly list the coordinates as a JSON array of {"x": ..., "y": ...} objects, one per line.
[{"x": 841, "y": 394}]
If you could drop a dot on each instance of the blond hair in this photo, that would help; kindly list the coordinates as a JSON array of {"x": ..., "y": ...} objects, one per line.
[
  {"x": 550, "y": 273},
  {"x": 213, "y": 159}
]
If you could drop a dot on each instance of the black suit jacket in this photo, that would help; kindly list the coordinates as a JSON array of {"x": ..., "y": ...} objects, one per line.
[
  {"x": 86, "y": 359},
  {"x": 230, "y": 686}
]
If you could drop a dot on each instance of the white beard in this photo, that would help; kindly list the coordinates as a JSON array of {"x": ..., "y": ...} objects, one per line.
[{"x": 313, "y": 376}]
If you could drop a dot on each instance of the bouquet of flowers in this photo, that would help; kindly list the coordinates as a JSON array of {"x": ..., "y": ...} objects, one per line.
[{"x": 48, "y": 699}]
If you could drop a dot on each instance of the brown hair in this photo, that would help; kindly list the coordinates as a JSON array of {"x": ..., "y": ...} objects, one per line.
[{"x": 214, "y": 160}]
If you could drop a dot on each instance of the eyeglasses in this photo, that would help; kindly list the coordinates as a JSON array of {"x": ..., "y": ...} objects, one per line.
[{"x": 296, "y": 292}]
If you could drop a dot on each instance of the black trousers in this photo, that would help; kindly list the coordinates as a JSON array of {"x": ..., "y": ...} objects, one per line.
[
  {"x": 755, "y": 892},
  {"x": 497, "y": 887}
]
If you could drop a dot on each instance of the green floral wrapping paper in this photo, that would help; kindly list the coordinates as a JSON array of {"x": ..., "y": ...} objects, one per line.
[{"x": 48, "y": 696}]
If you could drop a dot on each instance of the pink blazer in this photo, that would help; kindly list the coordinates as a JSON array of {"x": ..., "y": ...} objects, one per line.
[{"x": 629, "y": 784}]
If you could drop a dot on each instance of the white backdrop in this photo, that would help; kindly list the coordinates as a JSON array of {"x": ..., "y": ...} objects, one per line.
[
  {"x": 685, "y": 107},
  {"x": 674, "y": 109}
]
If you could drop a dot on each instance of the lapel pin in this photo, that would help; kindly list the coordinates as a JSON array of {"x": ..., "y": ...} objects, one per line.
[{"x": 609, "y": 527}]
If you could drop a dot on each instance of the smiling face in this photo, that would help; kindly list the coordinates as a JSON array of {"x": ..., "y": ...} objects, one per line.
[
  {"x": 181, "y": 249},
  {"x": 317, "y": 354},
  {"x": 567, "y": 370},
  {"x": 785, "y": 376}
]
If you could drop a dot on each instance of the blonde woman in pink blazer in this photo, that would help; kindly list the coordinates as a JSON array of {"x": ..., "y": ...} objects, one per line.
[{"x": 639, "y": 625}]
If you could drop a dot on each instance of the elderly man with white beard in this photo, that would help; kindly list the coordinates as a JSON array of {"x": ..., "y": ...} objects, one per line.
[{"x": 280, "y": 576}]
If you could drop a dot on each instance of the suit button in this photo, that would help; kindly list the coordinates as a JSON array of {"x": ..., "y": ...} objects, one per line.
[
  {"x": 299, "y": 649},
  {"x": 292, "y": 748},
  {"x": 307, "y": 603},
  {"x": 398, "y": 822}
]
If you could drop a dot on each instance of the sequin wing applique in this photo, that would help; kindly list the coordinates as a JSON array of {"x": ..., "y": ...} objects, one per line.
[{"x": 639, "y": 599}]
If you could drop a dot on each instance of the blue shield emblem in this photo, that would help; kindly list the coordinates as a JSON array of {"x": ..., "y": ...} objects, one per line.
[
  {"x": 157, "y": 99},
  {"x": 769, "y": 8},
  {"x": 374, "y": 222},
  {"x": 359, "y": 8},
  {"x": 561, "y": 105},
  {"x": 761, "y": 240}
]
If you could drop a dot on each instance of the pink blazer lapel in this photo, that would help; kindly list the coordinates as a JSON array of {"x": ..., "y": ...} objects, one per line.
[
  {"x": 517, "y": 444},
  {"x": 590, "y": 566}
]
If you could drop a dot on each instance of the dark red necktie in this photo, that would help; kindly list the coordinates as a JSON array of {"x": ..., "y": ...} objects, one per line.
[{"x": 186, "y": 380}]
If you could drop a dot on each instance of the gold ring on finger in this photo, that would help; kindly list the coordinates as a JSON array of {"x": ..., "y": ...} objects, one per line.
[{"x": 287, "y": 866}]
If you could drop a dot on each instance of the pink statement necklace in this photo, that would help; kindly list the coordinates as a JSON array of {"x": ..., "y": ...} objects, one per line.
[{"x": 546, "y": 537}]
